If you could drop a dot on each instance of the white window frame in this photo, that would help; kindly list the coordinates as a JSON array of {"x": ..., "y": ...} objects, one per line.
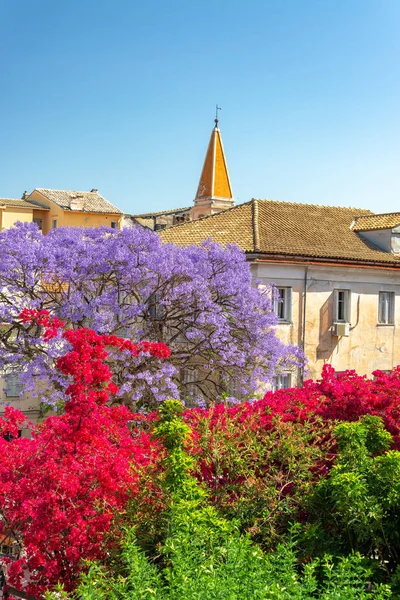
[
  {"x": 283, "y": 304},
  {"x": 341, "y": 305},
  {"x": 282, "y": 381},
  {"x": 386, "y": 302}
]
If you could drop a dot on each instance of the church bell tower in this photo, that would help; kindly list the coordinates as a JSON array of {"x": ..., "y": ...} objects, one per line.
[{"x": 214, "y": 192}]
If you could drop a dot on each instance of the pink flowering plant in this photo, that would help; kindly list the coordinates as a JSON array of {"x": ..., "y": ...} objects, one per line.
[{"x": 65, "y": 489}]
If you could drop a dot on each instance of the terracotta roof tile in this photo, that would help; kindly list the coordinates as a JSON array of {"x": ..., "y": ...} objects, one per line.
[
  {"x": 372, "y": 222},
  {"x": 89, "y": 201},
  {"x": 233, "y": 225},
  {"x": 16, "y": 203},
  {"x": 284, "y": 228}
]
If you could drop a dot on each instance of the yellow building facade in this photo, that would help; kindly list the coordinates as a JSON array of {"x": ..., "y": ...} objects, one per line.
[{"x": 50, "y": 209}]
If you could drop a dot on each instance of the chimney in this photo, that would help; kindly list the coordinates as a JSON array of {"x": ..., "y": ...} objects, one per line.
[
  {"x": 24, "y": 195},
  {"x": 94, "y": 190},
  {"x": 76, "y": 202}
]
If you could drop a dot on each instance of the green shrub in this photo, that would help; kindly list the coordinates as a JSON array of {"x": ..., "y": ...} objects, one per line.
[
  {"x": 259, "y": 476},
  {"x": 358, "y": 506},
  {"x": 206, "y": 557}
]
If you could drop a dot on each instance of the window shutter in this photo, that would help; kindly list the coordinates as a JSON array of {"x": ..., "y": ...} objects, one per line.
[
  {"x": 347, "y": 306},
  {"x": 288, "y": 311},
  {"x": 335, "y": 305}
]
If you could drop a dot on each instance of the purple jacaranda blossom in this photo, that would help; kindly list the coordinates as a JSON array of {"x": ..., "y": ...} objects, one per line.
[{"x": 199, "y": 300}]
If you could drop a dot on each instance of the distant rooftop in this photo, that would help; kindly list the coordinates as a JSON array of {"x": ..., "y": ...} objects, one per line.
[
  {"x": 160, "y": 212},
  {"x": 16, "y": 203},
  {"x": 81, "y": 201},
  {"x": 373, "y": 222}
]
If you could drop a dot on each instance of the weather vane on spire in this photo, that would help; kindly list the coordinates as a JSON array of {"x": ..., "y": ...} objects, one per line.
[{"x": 217, "y": 108}]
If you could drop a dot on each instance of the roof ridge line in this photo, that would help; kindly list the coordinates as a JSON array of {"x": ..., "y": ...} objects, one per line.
[
  {"x": 396, "y": 212},
  {"x": 256, "y": 231},
  {"x": 318, "y": 205}
]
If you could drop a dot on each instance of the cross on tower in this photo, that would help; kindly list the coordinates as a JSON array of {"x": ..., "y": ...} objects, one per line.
[{"x": 217, "y": 108}]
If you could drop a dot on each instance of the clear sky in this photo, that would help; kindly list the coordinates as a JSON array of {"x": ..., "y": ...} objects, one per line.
[{"x": 120, "y": 95}]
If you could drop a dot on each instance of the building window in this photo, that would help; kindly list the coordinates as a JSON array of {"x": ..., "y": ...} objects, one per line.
[
  {"x": 341, "y": 306},
  {"x": 282, "y": 381},
  {"x": 114, "y": 224},
  {"x": 13, "y": 386},
  {"x": 8, "y": 437},
  {"x": 283, "y": 303},
  {"x": 39, "y": 223},
  {"x": 386, "y": 308},
  {"x": 54, "y": 224},
  {"x": 189, "y": 377},
  {"x": 156, "y": 309},
  {"x": 160, "y": 226}
]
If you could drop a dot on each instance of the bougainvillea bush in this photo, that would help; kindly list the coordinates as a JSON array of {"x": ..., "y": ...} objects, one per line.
[
  {"x": 200, "y": 300},
  {"x": 205, "y": 556},
  {"x": 65, "y": 490},
  {"x": 343, "y": 396},
  {"x": 324, "y": 457}
]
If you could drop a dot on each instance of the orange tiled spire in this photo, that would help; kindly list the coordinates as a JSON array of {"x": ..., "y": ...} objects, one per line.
[{"x": 214, "y": 192}]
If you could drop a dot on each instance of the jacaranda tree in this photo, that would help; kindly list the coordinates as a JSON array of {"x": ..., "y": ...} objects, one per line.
[{"x": 199, "y": 300}]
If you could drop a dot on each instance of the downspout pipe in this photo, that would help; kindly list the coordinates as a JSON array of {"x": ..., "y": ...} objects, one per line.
[{"x": 303, "y": 324}]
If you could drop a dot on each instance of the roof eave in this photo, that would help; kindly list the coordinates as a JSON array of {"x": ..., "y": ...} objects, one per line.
[{"x": 266, "y": 256}]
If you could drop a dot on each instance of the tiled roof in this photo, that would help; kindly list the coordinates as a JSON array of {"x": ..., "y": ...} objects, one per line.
[
  {"x": 284, "y": 228},
  {"x": 16, "y": 203},
  {"x": 372, "y": 222},
  {"x": 91, "y": 201},
  {"x": 160, "y": 213}
]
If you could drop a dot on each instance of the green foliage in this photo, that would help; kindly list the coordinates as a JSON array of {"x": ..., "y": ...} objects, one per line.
[
  {"x": 174, "y": 433},
  {"x": 206, "y": 557},
  {"x": 260, "y": 477},
  {"x": 359, "y": 504}
]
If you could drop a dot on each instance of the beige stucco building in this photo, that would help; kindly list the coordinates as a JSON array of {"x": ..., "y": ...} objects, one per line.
[
  {"x": 336, "y": 270},
  {"x": 339, "y": 291}
]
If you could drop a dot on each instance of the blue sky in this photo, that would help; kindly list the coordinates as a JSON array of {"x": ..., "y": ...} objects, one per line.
[{"x": 120, "y": 95}]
